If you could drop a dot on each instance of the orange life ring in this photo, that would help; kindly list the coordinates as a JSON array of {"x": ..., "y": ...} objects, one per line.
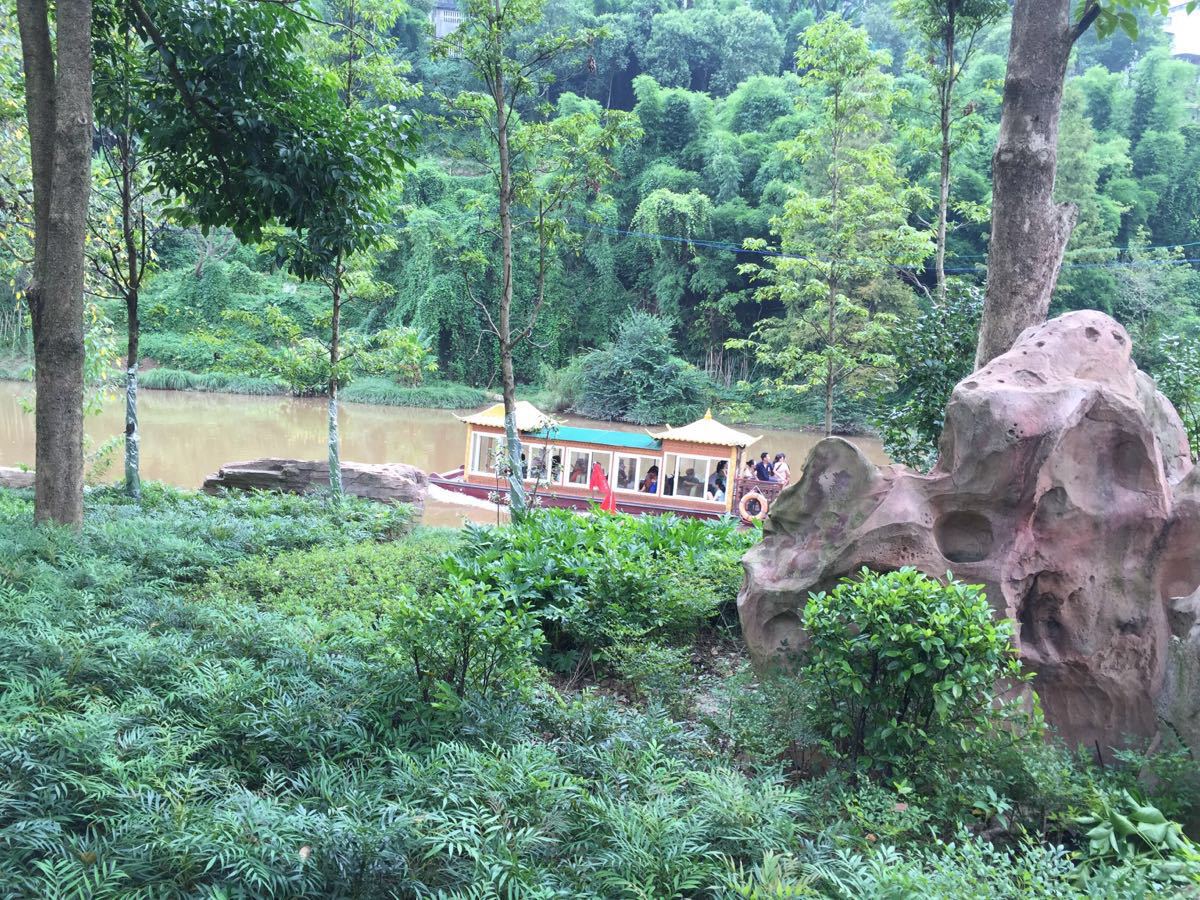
[{"x": 763, "y": 506}]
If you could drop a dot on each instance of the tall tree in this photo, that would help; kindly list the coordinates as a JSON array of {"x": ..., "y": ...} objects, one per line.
[
  {"x": 840, "y": 238},
  {"x": 541, "y": 169},
  {"x": 1030, "y": 229},
  {"x": 122, "y": 256},
  {"x": 950, "y": 29},
  {"x": 56, "y": 51},
  {"x": 359, "y": 54}
]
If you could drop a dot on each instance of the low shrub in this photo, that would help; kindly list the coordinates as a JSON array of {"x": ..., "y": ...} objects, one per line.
[
  {"x": 606, "y": 579},
  {"x": 326, "y": 583},
  {"x": 900, "y": 665},
  {"x": 211, "y": 382},
  {"x": 430, "y": 395},
  {"x": 462, "y": 641}
]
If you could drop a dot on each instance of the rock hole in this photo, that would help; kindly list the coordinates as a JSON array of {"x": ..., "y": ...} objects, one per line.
[
  {"x": 971, "y": 385},
  {"x": 1119, "y": 338},
  {"x": 1091, "y": 333},
  {"x": 964, "y": 536}
]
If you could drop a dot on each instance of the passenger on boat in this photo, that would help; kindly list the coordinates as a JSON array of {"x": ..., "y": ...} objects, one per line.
[
  {"x": 624, "y": 476},
  {"x": 717, "y": 483},
  {"x": 763, "y": 470},
  {"x": 748, "y": 471},
  {"x": 578, "y": 471},
  {"x": 555, "y": 467},
  {"x": 783, "y": 472},
  {"x": 649, "y": 484},
  {"x": 690, "y": 485}
]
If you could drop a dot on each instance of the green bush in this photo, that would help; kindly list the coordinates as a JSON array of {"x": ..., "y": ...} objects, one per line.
[
  {"x": 900, "y": 664},
  {"x": 178, "y": 351},
  {"x": 608, "y": 579},
  {"x": 933, "y": 353},
  {"x": 461, "y": 640},
  {"x": 430, "y": 395},
  {"x": 636, "y": 378},
  {"x": 1119, "y": 831},
  {"x": 211, "y": 382},
  {"x": 325, "y": 583}
]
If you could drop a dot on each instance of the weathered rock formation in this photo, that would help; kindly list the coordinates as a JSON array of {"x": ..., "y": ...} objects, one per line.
[
  {"x": 15, "y": 478},
  {"x": 391, "y": 482},
  {"x": 1066, "y": 487}
]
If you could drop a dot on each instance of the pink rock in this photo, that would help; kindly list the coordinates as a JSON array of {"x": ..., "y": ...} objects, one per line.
[
  {"x": 15, "y": 478},
  {"x": 1064, "y": 486}
]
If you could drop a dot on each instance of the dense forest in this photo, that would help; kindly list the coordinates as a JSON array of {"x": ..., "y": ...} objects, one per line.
[{"x": 703, "y": 207}]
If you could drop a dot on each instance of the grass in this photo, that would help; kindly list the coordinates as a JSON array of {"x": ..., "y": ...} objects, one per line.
[
  {"x": 211, "y": 382},
  {"x": 432, "y": 395},
  {"x": 15, "y": 368}
]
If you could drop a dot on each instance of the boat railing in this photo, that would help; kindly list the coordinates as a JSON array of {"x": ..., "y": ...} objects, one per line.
[{"x": 768, "y": 490}]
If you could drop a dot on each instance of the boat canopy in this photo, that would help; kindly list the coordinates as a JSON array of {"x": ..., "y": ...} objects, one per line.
[
  {"x": 627, "y": 439},
  {"x": 529, "y": 417},
  {"x": 708, "y": 431}
]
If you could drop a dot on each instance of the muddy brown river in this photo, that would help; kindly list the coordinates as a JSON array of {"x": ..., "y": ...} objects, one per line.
[{"x": 187, "y": 436}]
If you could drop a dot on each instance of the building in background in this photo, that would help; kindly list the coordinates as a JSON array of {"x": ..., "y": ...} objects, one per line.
[
  {"x": 1184, "y": 30},
  {"x": 445, "y": 16}
]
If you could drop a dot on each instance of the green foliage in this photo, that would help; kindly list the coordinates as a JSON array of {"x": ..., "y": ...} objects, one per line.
[
  {"x": 221, "y": 382},
  {"x": 1178, "y": 374},
  {"x": 431, "y": 394},
  {"x": 322, "y": 584},
  {"x": 1121, "y": 831},
  {"x": 608, "y": 579},
  {"x": 899, "y": 665},
  {"x": 461, "y": 640},
  {"x": 933, "y": 352},
  {"x": 637, "y": 377},
  {"x": 841, "y": 232}
]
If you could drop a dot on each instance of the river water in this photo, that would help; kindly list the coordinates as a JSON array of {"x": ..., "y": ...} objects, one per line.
[{"x": 187, "y": 436}]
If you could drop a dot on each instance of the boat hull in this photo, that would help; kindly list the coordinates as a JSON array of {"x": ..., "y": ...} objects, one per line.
[{"x": 453, "y": 481}]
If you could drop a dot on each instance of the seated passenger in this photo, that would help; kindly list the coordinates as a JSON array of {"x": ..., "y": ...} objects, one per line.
[
  {"x": 578, "y": 471},
  {"x": 649, "y": 484},
  {"x": 624, "y": 476},
  {"x": 717, "y": 483},
  {"x": 689, "y": 484}
]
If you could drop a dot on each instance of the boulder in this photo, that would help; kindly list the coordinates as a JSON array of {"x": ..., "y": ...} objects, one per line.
[
  {"x": 15, "y": 478},
  {"x": 1065, "y": 486},
  {"x": 386, "y": 483}
]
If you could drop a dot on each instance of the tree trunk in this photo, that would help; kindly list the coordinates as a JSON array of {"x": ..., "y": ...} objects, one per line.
[
  {"x": 335, "y": 450},
  {"x": 133, "y": 437},
  {"x": 59, "y": 109},
  {"x": 512, "y": 438},
  {"x": 133, "y": 279},
  {"x": 1029, "y": 229}
]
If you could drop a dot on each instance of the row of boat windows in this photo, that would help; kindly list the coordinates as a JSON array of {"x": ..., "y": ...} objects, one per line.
[{"x": 670, "y": 475}]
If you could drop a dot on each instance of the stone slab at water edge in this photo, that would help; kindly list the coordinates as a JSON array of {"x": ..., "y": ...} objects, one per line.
[
  {"x": 15, "y": 478},
  {"x": 388, "y": 482},
  {"x": 1065, "y": 486}
]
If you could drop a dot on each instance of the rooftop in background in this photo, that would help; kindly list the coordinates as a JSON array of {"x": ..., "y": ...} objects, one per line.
[
  {"x": 708, "y": 431},
  {"x": 1184, "y": 30}
]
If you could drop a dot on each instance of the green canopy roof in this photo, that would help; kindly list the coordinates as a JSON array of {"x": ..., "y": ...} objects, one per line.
[{"x": 630, "y": 440}]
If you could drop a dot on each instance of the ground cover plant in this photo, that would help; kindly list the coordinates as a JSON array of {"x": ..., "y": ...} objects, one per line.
[{"x": 269, "y": 697}]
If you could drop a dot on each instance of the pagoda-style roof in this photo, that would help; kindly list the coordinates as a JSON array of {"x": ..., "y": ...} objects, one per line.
[
  {"x": 529, "y": 417},
  {"x": 708, "y": 431}
]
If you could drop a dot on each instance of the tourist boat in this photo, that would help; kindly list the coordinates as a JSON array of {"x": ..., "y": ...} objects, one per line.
[{"x": 649, "y": 473}]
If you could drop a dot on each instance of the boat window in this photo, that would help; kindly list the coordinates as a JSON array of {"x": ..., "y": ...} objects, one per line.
[
  {"x": 687, "y": 476},
  {"x": 486, "y": 454},
  {"x": 579, "y": 465},
  {"x": 632, "y": 473},
  {"x": 545, "y": 464}
]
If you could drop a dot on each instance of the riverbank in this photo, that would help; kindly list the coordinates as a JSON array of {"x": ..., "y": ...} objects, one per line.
[{"x": 431, "y": 395}]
